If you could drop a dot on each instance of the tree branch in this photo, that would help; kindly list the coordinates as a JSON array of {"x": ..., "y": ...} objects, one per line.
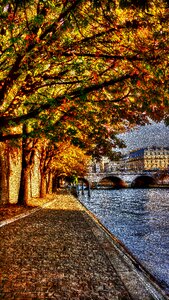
[
  {"x": 5, "y": 121},
  {"x": 107, "y": 56},
  {"x": 63, "y": 14},
  {"x": 11, "y": 77}
]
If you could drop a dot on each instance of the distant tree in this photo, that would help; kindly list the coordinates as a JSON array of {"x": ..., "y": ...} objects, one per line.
[
  {"x": 70, "y": 161},
  {"x": 55, "y": 159}
]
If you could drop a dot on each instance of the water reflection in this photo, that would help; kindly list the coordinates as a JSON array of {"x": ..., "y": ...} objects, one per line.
[{"x": 140, "y": 219}]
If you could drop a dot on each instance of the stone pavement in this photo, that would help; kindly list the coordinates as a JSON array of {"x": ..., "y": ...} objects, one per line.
[{"x": 61, "y": 252}]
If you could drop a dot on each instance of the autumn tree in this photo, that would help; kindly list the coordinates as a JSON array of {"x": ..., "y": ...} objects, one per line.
[
  {"x": 47, "y": 152},
  {"x": 82, "y": 69},
  {"x": 55, "y": 160},
  {"x": 60, "y": 56},
  {"x": 69, "y": 162},
  {"x": 28, "y": 155},
  {"x": 60, "y": 160}
]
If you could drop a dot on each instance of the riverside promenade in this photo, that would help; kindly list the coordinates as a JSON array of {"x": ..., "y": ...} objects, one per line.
[{"x": 60, "y": 251}]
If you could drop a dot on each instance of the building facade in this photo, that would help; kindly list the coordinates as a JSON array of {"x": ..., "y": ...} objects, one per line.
[
  {"x": 147, "y": 159},
  {"x": 144, "y": 159},
  {"x": 104, "y": 166}
]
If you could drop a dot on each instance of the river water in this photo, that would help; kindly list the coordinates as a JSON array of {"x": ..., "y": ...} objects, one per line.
[{"x": 140, "y": 219}]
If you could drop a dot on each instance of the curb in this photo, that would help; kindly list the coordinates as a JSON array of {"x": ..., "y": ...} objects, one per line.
[{"x": 126, "y": 261}]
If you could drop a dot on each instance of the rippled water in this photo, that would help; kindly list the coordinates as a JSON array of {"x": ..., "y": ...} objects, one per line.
[{"x": 140, "y": 219}]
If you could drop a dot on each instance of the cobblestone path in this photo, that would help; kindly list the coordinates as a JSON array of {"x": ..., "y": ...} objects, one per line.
[{"x": 53, "y": 254}]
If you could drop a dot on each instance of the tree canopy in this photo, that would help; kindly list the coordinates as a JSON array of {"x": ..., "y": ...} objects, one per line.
[
  {"x": 69, "y": 160},
  {"x": 82, "y": 70}
]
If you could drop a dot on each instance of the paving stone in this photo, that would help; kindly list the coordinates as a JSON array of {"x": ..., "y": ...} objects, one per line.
[{"x": 55, "y": 253}]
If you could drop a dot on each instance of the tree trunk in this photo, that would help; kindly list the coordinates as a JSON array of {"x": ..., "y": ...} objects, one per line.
[
  {"x": 56, "y": 183},
  {"x": 50, "y": 183},
  {"x": 43, "y": 186},
  {"x": 27, "y": 161},
  {"x": 24, "y": 187},
  {"x": 4, "y": 173}
]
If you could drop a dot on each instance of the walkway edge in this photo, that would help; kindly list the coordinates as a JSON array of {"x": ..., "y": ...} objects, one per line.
[
  {"x": 25, "y": 214},
  {"x": 143, "y": 275}
]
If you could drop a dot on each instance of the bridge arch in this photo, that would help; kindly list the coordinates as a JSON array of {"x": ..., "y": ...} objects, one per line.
[
  {"x": 143, "y": 181},
  {"x": 112, "y": 182}
]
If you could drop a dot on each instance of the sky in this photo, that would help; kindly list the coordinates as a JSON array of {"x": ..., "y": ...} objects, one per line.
[{"x": 156, "y": 134}]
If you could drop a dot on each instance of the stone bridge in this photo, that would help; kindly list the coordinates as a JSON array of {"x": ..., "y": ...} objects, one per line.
[{"x": 121, "y": 178}]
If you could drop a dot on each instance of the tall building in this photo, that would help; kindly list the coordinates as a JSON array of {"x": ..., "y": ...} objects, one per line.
[{"x": 154, "y": 158}]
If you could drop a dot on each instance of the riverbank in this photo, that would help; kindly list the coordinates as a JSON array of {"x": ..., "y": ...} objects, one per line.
[
  {"x": 61, "y": 251},
  {"x": 164, "y": 186},
  {"x": 140, "y": 219}
]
